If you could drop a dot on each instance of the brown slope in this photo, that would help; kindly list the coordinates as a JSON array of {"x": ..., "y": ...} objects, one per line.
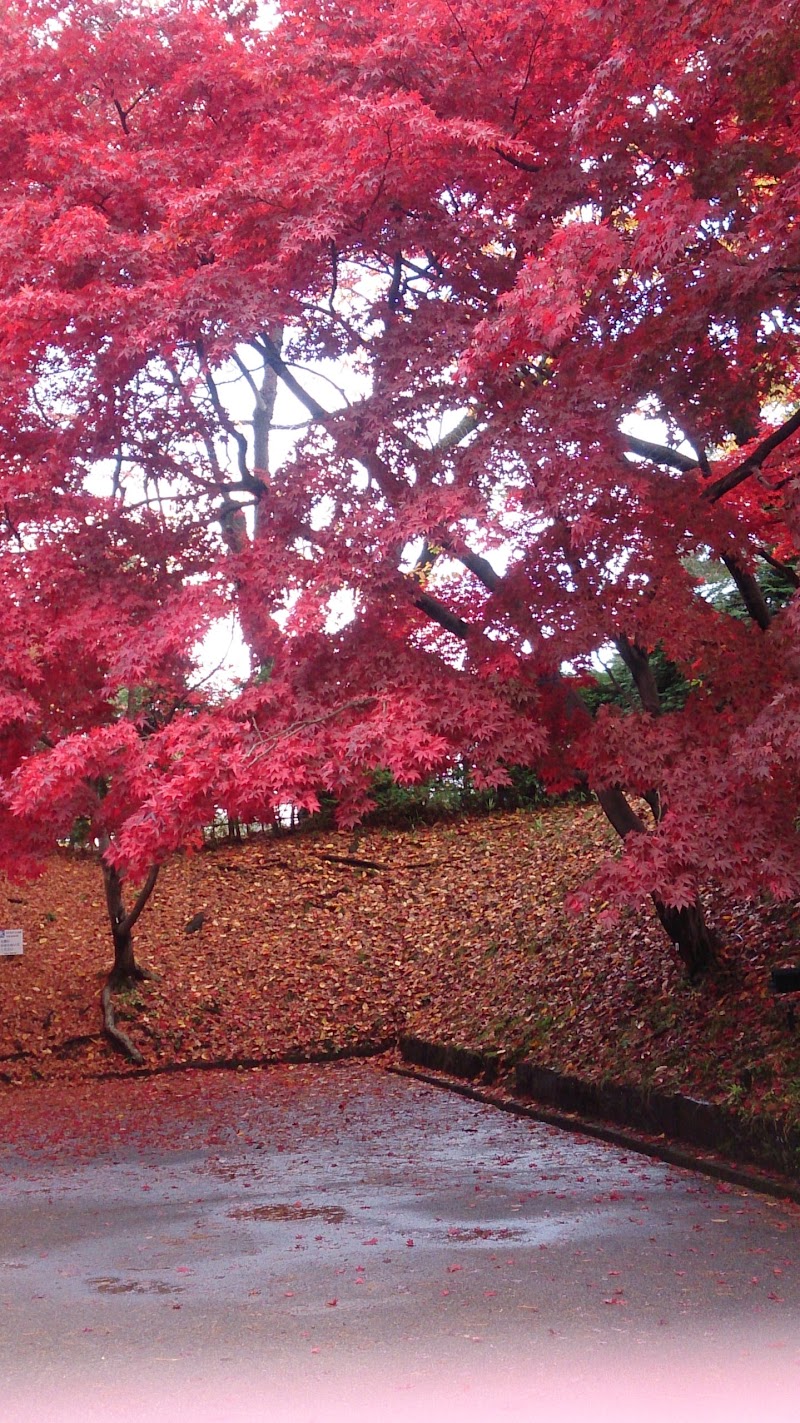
[{"x": 461, "y": 936}]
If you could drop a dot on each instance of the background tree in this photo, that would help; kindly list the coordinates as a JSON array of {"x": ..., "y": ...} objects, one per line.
[{"x": 102, "y": 616}]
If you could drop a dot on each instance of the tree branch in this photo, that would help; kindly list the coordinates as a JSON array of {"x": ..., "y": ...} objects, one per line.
[
  {"x": 754, "y": 461},
  {"x": 480, "y": 566},
  {"x": 273, "y": 357},
  {"x": 226, "y": 422},
  {"x": 516, "y": 162},
  {"x": 619, "y": 811},
  {"x": 786, "y": 569},
  {"x": 435, "y": 610},
  {"x": 264, "y": 746},
  {"x": 196, "y": 421},
  {"x": 752, "y": 597},
  {"x": 466, "y": 425},
  {"x": 638, "y": 664},
  {"x": 140, "y": 901},
  {"x": 393, "y": 296},
  {"x": 660, "y": 454}
]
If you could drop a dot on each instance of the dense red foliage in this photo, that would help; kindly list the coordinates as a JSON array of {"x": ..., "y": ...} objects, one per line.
[{"x": 468, "y": 246}]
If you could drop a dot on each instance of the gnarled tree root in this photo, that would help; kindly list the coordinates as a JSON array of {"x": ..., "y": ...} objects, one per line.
[{"x": 118, "y": 1039}]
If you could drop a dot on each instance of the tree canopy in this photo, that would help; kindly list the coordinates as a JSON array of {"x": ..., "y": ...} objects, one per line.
[{"x": 468, "y": 251}]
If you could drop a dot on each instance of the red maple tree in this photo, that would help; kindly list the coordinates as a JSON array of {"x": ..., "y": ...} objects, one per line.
[{"x": 467, "y": 250}]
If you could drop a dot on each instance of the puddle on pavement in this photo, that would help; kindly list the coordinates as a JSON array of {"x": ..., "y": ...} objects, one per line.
[
  {"x": 232, "y": 1173},
  {"x": 113, "y": 1285},
  {"x": 481, "y": 1232},
  {"x": 333, "y": 1215}
]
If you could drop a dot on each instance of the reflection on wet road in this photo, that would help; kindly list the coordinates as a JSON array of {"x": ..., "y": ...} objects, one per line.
[{"x": 340, "y": 1220}]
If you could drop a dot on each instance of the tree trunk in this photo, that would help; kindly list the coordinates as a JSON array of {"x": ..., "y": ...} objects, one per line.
[
  {"x": 696, "y": 944},
  {"x": 125, "y": 968}
]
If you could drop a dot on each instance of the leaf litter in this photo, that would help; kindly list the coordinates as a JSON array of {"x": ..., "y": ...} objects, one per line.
[{"x": 459, "y": 934}]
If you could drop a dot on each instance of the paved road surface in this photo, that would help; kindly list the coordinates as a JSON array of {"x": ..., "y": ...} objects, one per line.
[{"x": 338, "y": 1242}]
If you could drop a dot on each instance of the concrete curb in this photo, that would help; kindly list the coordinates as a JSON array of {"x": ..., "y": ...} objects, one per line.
[{"x": 756, "y": 1156}]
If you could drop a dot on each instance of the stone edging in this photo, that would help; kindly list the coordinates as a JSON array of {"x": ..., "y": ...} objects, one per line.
[{"x": 697, "y": 1124}]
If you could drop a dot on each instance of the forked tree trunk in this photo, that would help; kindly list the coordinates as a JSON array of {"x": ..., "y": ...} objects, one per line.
[{"x": 125, "y": 969}]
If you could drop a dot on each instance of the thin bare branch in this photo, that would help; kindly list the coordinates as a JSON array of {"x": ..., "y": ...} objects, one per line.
[
  {"x": 265, "y": 745},
  {"x": 320, "y": 375},
  {"x": 225, "y": 421},
  {"x": 515, "y": 162},
  {"x": 196, "y": 421},
  {"x": 248, "y": 375}
]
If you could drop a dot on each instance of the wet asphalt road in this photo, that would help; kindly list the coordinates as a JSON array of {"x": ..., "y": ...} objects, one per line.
[{"x": 289, "y": 1243}]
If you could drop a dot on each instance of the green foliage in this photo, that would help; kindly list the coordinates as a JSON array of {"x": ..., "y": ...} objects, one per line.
[
  {"x": 80, "y": 833},
  {"x": 615, "y": 685},
  {"x": 431, "y": 800},
  {"x": 264, "y": 673},
  {"x": 777, "y": 585},
  {"x": 449, "y": 795},
  {"x": 436, "y": 799}
]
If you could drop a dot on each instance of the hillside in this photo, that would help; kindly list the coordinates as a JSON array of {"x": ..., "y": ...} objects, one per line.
[{"x": 460, "y": 935}]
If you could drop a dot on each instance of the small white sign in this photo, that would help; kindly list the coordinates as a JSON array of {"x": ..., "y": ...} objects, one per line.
[{"x": 10, "y": 942}]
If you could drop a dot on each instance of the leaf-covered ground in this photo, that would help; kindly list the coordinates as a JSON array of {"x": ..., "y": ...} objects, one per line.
[{"x": 460, "y": 936}]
